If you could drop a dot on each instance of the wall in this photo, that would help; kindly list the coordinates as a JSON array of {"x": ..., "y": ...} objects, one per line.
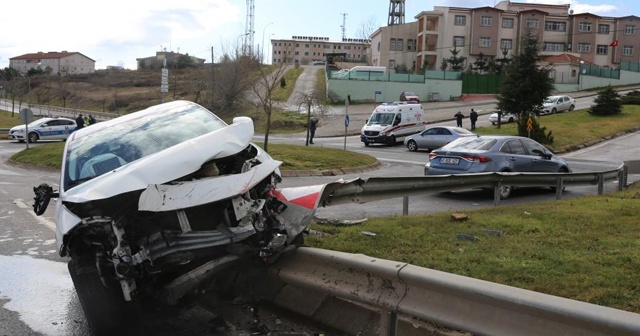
[{"x": 365, "y": 91}]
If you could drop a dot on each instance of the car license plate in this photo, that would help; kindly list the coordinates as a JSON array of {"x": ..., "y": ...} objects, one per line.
[{"x": 453, "y": 161}]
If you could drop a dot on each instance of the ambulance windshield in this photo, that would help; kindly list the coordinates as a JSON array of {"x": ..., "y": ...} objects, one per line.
[{"x": 381, "y": 119}]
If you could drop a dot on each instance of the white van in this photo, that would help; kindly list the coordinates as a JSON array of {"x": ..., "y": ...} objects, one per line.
[{"x": 390, "y": 123}]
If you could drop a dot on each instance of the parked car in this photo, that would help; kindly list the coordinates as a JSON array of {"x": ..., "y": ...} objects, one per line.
[
  {"x": 435, "y": 137},
  {"x": 409, "y": 96},
  {"x": 553, "y": 104},
  {"x": 166, "y": 203},
  {"x": 44, "y": 129},
  {"x": 494, "y": 153},
  {"x": 504, "y": 118}
]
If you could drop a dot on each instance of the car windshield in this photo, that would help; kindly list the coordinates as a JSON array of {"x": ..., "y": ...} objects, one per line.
[
  {"x": 550, "y": 100},
  {"x": 410, "y": 94},
  {"x": 38, "y": 122},
  {"x": 111, "y": 147},
  {"x": 381, "y": 119}
]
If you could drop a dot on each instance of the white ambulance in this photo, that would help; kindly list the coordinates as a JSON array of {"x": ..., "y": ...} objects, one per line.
[{"x": 390, "y": 123}]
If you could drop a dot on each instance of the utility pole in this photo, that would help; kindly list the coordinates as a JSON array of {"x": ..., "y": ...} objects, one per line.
[{"x": 212, "y": 74}]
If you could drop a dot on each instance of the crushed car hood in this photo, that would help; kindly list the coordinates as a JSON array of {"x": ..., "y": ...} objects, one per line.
[{"x": 167, "y": 165}]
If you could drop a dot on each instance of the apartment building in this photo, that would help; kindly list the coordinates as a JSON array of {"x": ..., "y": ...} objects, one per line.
[
  {"x": 395, "y": 46},
  {"x": 496, "y": 31},
  {"x": 306, "y": 49},
  {"x": 53, "y": 62}
]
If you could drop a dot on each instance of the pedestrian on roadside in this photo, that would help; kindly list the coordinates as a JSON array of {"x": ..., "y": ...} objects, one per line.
[
  {"x": 79, "y": 122},
  {"x": 459, "y": 116},
  {"x": 313, "y": 123},
  {"x": 92, "y": 120},
  {"x": 473, "y": 116}
]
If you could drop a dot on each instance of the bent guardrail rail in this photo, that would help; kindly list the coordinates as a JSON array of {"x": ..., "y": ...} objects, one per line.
[{"x": 450, "y": 300}]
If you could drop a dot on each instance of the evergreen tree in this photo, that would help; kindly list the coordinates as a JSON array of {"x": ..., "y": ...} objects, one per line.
[
  {"x": 525, "y": 87},
  {"x": 481, "y": 64},
  {"x": 456, "y": 62},
  {"x": 607, "y": 103}
]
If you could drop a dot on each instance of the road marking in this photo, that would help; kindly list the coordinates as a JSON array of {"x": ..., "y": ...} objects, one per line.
[{"x": 51, "y": 225}]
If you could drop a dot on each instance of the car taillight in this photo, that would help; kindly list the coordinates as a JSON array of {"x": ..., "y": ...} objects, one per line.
[
  {"x": 432, "y": 156},
  {"x": 478, "y": 158}
]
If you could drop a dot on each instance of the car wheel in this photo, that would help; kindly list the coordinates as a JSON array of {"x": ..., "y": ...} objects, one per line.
[
  {"x": 412, "y": 145},
  {"x": 33, "y": 137},
  {"x": 392, "y": 140},
  {"x": 103, "y": 304},
  {"x": 510, "y": 119},
  {"x": 554, "y": 110},
  {"x": 494, "y": 123},
  {"x": 366, "y": 144},
  {"x": 571, "y": 107},
  {"x": 505, "y": 191}
]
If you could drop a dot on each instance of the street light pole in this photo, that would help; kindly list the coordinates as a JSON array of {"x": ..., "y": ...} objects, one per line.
[{"x": 262, "y": 45}]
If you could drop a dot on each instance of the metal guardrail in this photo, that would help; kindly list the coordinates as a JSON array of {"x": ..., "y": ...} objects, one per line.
[
  {"x": 379, "y": 188},
  {"x": 458, "y": 302}
]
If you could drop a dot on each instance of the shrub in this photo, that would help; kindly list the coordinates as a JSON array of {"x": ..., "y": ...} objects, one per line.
[{"x": 607, "y": 103}]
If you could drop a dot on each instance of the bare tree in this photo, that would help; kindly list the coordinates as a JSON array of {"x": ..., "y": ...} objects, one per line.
[
  {"x": 262, "y": 89},
  {"x": 231, "y": 78}
]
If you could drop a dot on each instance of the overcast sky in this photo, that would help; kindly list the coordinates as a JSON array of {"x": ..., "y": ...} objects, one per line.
[{"x": 118, "y": 32}]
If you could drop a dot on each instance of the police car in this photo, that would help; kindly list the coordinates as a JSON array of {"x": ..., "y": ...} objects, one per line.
[{"x": 44, "y": 129}]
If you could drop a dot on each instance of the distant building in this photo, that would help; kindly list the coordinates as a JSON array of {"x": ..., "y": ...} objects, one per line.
[
  {"x": 306, "y": 49},
  {"x": 53, "y": 62},
  {"x": 394, "y": 46},
  {"x": 171, "y": 58}
]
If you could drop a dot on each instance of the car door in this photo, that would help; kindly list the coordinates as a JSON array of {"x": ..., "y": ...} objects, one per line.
[
  {"x": 515, "y": 156},
  {"x": 66, "y": 128},
  {"x": 47, "y": 130},
  {"x": 538, "y": 162}
]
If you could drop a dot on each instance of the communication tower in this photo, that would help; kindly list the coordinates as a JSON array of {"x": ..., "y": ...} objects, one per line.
[
  {"x": 247, "y": 48},
  {"x": 344, "y": 25},
  {"x": 396, "y": 12}
]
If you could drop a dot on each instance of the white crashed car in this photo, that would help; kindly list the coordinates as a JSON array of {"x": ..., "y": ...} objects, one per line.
[{"x": 159, "y": 203}]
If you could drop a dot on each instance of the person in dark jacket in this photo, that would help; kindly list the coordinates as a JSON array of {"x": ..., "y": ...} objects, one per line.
[
  {"x": 312, "y": 129},
  {"x": 473, "y": 116},
  {"x": 459, "y": 116},
  {"x": 79, "y": 122}
]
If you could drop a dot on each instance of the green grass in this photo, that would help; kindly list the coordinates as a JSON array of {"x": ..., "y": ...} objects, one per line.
[
  {"x": 577, "y": 127},
  {"x": 290, "y": 77},
  {"x": 570, "y": 248}
]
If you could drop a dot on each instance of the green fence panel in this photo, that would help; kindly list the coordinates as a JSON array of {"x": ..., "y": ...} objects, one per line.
[{"x": 487, "y": 84}]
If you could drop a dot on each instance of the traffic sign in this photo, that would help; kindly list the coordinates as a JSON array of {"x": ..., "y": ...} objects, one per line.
[
  {"x": 26, "y": 115},
  {"x": 529, "y": 124},
  {"x": 165, "y": 72},
  {"x": 164, "y": 88}
]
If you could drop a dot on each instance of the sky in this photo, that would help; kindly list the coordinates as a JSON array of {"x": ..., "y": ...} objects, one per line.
[{"x": 118, "y": 32}]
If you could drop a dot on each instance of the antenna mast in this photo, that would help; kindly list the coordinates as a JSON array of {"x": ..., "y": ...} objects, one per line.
[
  {"x": 344, "y": 26},
  {"x": 248, "y": 37}
]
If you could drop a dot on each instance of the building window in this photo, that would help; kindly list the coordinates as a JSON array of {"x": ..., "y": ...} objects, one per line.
[
  {"x": 486, "y": 21},
  {"x": 506, "y": 44},
  {"x": 485, "y": 42},
  {"x": 460, "y": 20},
  {"x": 629, "y": 29},
  {"x": 410, "y": 45},
  {"x": 507, "y": 23},
  {"x": 296, "y": 53},
  {"x": 601, "y": 49},
  {"x": 603, "y": 29},
  {"x": 378, "y": 46},
  {"x": 458, "y": 41},
  {"x": 392, "y": 64},
  {"x": 553, "y": 46},
  {"x": 584, "y": 26},
  {"x": 532, "y": 23},
  {"x": 399, "y": 44},
  {"x": 306, "y": 45},
  {"x": 627, "y": 50},
  {"x": 555, "y": 26},
  {"x": 584, "y": 48},
  {"x": 392, "y": 44},
  {"x": 306, "y": 53},
  {"x": 297, "y": 45}
]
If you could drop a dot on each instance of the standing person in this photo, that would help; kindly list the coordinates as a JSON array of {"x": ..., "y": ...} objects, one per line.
[
  {"x": 312, "y": 129},
  {"x": 473, "y": 116},
  {"x": 79, "y": 122},
  {"x": 92, "y": 120},
  {"x": 459, "y": 117}
]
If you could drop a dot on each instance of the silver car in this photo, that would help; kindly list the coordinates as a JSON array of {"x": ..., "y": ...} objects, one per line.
[
  {"x": 494, "y": 153},
  {"x": 553, "y": 104},
  {"x": 435, "y": 137}
]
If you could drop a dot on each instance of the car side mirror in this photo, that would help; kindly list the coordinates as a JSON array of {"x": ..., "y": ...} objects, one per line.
[
  {"x": 43, "y": 193},
  {"x": 542, "y": 154}
]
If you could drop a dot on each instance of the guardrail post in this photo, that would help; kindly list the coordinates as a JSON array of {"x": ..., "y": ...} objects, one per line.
[
  {"x": 405, "y": 205},
  {"x": 496, "y": 194},
  {"x": 600, "y": 184},
  {"x": 388, "y": 323},
  {"x": 622, "y": 177},
  {"x": 559, "y": 188}
]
